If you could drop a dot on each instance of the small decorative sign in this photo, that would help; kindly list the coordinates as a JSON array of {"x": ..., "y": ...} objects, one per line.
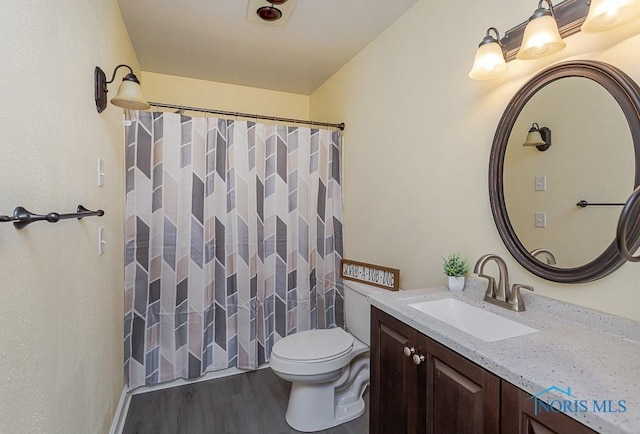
[{"x": 376, "y": 275}]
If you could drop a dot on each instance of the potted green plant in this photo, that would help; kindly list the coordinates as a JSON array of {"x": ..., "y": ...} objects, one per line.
[{"x": 456, "y": 267}]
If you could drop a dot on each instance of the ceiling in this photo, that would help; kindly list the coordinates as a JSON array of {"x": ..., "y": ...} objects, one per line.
[{"x": 213, "y": 39}]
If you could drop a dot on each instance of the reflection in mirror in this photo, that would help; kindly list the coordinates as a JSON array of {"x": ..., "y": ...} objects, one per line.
[
  {"x": 594, "y": 156},
  {"x": 591, "y": 158}
]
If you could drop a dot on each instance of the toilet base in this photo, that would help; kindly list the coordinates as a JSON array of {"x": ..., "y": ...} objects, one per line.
[{"x": 316, "y": 407}]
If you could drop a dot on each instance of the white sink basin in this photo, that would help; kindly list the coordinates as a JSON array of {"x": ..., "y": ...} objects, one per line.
[{"x": 477, "y": 322}]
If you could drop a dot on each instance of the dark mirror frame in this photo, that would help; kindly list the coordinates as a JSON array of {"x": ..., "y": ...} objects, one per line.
[{"x": 627, "y": 93}]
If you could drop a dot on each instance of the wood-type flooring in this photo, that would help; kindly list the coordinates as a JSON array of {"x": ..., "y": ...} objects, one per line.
[{"x": 250, "y": 403}]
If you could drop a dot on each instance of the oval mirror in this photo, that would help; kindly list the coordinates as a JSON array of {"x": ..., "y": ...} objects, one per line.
[{"x": 584, "y": 149}]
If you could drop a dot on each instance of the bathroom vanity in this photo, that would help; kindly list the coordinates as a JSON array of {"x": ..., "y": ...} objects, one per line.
[
  {"x": 470, "y": 399},
  {"x": 430, "y": 377}
]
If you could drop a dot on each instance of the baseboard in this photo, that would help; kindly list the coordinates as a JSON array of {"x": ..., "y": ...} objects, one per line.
[{"x": 125, "y": 399}]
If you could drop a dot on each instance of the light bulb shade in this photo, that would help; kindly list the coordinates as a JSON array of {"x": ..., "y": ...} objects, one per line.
[
  {"x": 489, "y": 62},
  {"x": 130, "y": 96},
  {"x": 607, "y": 14},
  {"x": 534, "y": 138},
  {"x": 541, "y": 38},
  {"x": 540, "y": 137}
]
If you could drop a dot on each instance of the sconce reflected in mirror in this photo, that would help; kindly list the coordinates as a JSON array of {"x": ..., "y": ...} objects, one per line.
[
  {"x": 489, "y": 61},
  {"x": 540, "y": 137},
  {"x": 541, "y": 36},
  {"x": 129, "y": 94},
  {"x": 607, "y": 14}
]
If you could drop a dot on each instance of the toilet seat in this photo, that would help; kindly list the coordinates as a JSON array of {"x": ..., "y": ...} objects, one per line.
[
  {"x": 292, "y": 355},
  {"x": 314, "y": 346}
]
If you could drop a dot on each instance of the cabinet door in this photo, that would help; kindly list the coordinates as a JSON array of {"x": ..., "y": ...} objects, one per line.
[
  {"x": 518, "y": 416},
  {"x": 393, "y": 376},
  {"x": 461, "y": 396}
]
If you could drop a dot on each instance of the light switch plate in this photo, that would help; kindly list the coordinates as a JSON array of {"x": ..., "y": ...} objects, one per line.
[
  {"x": 541, "y": 183},
  {"x": 541, "y": 219}
]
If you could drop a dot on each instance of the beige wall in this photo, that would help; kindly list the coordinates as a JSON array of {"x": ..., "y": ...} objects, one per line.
[
  {"x": 61, "y": 309},
  {"x": 418, "y": 137},
  {"x": 221, "y": 96}
]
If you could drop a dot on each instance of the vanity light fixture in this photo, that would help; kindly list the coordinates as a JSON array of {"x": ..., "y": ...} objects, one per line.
[
  {"x": 563, "y": 19},
  {"x": 607, "y": 14},
  {"x": 489, "y": 61},
  {"x": 540, "y": 137},
  {"x": 543, "y": 33},
  {"x": 129, "y": 94},
  {"x": 541, "y": 36}
]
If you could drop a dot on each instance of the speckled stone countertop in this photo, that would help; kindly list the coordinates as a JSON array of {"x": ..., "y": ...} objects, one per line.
[{"x": 595, "y": 354}]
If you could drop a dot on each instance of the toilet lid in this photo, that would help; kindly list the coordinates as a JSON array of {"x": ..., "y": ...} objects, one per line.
[{"x": 314, "y": 345}]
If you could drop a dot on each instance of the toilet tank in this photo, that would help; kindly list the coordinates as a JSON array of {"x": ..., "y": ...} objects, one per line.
[{"x": 358, "y": 309}]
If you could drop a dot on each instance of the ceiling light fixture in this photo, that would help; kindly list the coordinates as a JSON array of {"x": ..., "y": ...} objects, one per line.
[
  {"x": 129, "y": 94},
  {"x": 541, "y": 36},
  {"x": 271, "y": 13}
]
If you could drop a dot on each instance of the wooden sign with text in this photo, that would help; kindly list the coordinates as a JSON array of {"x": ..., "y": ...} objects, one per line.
[{"x": 375, "y": 275}]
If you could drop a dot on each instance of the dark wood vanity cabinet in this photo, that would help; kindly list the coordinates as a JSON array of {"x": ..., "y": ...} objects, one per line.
[
  {"x": 461, "y": 396},
  {"x": 518, "y": 416},
  {"x": 394, "y": 377},
  {"x": 420, "y": 386}
]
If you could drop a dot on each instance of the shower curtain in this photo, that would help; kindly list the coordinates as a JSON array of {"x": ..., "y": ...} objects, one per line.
[{"x": 233, "y": 235}]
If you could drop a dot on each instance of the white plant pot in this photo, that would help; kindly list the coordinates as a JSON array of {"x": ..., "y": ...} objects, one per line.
[{"x": 456, "y": 283}]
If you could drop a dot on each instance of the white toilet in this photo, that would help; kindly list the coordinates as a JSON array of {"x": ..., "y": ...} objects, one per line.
[{"x": 328, "y": 369}]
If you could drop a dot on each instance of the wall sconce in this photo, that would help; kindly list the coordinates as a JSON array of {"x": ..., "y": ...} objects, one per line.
[
  {"x": 607, "y": 14},
  {"x": 541, "y": 35},
  {"x": 489, "y": 61},
  {"x": 129, "y": 94},
  {"x": 538, "y": 137},
  {"x": 568, "y": 17}
]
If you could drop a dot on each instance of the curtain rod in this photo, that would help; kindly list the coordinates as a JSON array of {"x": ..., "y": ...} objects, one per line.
[{"x": 339, "y": 126}]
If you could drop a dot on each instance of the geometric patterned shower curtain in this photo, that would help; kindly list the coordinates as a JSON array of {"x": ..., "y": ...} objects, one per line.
[{"x": 233, "y": 241}]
